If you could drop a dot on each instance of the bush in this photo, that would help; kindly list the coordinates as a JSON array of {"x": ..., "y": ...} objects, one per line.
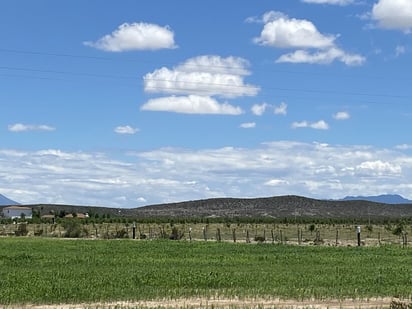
[{"x": 74, "y": 229}]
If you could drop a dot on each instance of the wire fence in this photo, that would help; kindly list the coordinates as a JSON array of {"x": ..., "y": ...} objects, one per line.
[{"x": 296, "y": 234}]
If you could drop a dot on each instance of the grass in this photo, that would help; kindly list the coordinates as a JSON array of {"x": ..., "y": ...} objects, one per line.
[{"x": 52, "y": 271}]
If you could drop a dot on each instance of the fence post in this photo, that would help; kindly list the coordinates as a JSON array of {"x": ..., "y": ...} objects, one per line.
[
  {"x": 281, "y": 237},
  {"x": 273, "y": 236},
  {"x": 337, "y": 237},
  {"x": 247, "y": 237},
  {"x": 234, "y": 235},
  {"x": 358, "y": 231},
  {"x": 204, "y": 234},
  {"x": 218, "y": 237},
  {"x": 190, "y": 233}
]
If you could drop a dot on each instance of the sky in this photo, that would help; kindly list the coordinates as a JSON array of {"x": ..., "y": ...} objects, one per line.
[{"x": 131, "y": 103}]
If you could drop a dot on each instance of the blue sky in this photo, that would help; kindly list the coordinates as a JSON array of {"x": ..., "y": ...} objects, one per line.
[{"x": 130, "y": 103}]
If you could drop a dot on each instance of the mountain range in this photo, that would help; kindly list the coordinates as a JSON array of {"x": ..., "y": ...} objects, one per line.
[
  {"x": 384, "y": 198},
  {"x": 6, "y": 201}
]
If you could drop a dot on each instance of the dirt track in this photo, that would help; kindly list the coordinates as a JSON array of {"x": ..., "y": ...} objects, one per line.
[{"x": 227, "y": 303}]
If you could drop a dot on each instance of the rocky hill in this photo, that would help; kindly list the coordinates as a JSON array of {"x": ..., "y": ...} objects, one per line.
[{"x": 278, "y": 207}]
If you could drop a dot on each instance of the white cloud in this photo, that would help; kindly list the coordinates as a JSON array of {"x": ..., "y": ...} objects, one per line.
[
  {"x": 341, "y": 116},
  {"x": 379, "y": 168},
  {"x": 400, "y": 50},
  {"x": 259, "y": 109},
  {"x": 203, "y": 75},
  {"x": 276, "y": 182},
  {"x": 248, "y": 125},
  {"x": 283, "y": 32},
  {"x": 393, "y": 14},
  {"x": 171, "y": 174},
  {"x": 126, "y": 130},
  {"x": 281, "y": 109},
  {"x": 319, "y": 125},
  {"x": 135, "y": 36},
  {"x": 191, "y": 104},
  {"x": 322, "y": 57},
  {"x": 19, "y": 127},
  {"x": 332, "y": 2},
  {"x": 403, "y": 147}
]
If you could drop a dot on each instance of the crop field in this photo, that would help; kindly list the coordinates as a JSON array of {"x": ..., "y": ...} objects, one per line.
[{"x": 71, "y": 271}]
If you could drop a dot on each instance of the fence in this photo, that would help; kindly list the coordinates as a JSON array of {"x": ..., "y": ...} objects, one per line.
[{"x": 338, "y": 235}]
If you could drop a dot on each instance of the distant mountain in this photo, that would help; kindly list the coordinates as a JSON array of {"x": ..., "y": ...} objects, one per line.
[
  {"x": 6, "y": 201},
  {"x": 384, "y": 198},
  {"x": 288, "y": 206}
]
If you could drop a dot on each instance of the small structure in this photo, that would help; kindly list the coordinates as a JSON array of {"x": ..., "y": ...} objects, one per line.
[
  {"x": 17, "y": 212},
  {"x": 77, "y": 215}
]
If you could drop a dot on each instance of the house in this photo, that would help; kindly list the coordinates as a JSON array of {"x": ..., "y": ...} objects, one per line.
[
  {"x": 77, "y": 215},
  {"x": 17, "y": 212}
]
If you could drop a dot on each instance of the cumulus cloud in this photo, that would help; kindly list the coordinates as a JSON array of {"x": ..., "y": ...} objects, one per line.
[
  {"x": 281, "y": 109},
  {"x": 126, "y": 130},
  {"x": 191, "y": 104},
  {"x": 135, "y": 36},
  {"x": 332, "y": 2},
  {"x": 400, "y": 50},
  {"x": 341, "y": 116},
  {"x": 171, "y": 174},
  {"x": 283, "y": 32},
  {"x": 19, "y": 127},
  {"x": 311, "y": 46},
  {"x": 319, "y": 125},
  {"x": 194, "y": 84},
  {"x": 322, "y": 57},
  {"x": 248, "y": 125},
  {"x": 259, "y": 109},
  {"x": 393, "y": 14},
  {"x": 379, "y": 168},
  {"x": 203, "y": 75}
]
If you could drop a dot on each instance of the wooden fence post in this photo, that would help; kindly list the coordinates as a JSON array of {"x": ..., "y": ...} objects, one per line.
[
  {"x": 204, "y": 233},
  {"x": 247, "y": 237},
  {"x": 234, "y": 235},
  {"x": 337, "y": 237},
  {"x": 218, "y": 236},
  {"x": 273, "y": 236}
]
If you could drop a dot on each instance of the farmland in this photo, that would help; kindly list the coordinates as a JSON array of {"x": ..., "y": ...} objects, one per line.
[{"x": 52, "y": 271}]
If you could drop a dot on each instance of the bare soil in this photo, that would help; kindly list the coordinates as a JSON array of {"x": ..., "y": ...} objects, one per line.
[{"x": 229, "y": 304}]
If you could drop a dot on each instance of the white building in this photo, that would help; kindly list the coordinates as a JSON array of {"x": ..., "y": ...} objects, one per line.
[{"x": 17, "y": 212}]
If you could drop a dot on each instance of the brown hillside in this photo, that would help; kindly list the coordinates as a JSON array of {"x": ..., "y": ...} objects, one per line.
[{"x": 271, "y": 207}]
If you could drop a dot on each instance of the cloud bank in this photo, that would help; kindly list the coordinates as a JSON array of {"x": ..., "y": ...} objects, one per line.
[{"x": 169, "y": 174}]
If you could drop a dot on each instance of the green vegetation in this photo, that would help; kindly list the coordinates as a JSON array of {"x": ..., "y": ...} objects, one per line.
[{"x": 51, "y": 271}]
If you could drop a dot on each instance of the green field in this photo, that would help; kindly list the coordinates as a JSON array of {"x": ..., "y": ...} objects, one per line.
[{"x": 51, "y": 271}]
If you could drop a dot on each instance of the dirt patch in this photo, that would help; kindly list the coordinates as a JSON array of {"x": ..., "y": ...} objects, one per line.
[{"x": 226, "y": 303}]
